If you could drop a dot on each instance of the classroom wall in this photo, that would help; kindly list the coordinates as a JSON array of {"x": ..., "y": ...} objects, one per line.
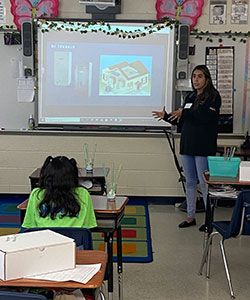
[
  {"x": 143, "y": 10},
  {"x": 147, "y": 160},
  {"x": 148, "y": 165}
]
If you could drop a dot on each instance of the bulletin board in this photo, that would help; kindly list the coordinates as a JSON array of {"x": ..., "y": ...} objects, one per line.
[{"x": 220, "y": 62}]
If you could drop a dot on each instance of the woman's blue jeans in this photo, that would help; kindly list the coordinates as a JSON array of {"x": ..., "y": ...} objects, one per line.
[{"x": 194, "y": 167}]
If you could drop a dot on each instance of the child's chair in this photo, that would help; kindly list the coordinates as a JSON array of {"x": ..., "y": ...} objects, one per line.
[{"x": 239, "y": 225}]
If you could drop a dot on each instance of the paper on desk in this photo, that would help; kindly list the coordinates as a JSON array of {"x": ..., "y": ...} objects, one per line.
[
  {"x": 87, "y": 184},
  {"x": 81, "y": 273},
  {"x": 223, "y": 191}
]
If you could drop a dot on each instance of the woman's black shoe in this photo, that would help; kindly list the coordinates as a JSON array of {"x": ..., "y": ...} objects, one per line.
[{"x": 187, "y": 224}]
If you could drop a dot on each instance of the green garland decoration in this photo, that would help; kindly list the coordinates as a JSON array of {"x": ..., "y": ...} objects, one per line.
[
  {"x": 8, "y": 28},
  {"x": 101, "y": 26},
  {"x": 210, "y": 36}
]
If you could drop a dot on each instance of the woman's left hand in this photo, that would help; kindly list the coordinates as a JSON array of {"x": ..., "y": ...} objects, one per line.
[{"x": 175, "y": 115}]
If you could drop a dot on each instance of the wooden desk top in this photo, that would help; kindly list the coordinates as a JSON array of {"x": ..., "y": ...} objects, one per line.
[
  {"x": 100, "y": 204},
  {"x": 224, "y": 180},
  {"x": 82, "y": 257},
  {"x": 97, "y": 173}
]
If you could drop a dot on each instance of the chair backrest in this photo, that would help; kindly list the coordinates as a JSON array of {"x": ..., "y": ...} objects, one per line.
[
  {"x": 20, "y": 296},
  {"x": 240, "y": 222},
  {"x": 82, "y": 236}
]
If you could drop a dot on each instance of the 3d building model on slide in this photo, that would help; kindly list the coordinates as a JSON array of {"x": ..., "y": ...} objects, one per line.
[{"x": 126, "y": 79}]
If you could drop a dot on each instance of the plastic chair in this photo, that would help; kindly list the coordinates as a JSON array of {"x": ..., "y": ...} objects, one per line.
[
  {"x": 82, "y": 236},
  {"x": 239, "y": 225},
  {"x": 20, "y": 296}
]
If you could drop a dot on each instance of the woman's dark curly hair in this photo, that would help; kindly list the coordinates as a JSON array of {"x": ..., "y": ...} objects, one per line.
[
  {"x": 209, "y": 89},
  {"x": 59, "y": 178}
]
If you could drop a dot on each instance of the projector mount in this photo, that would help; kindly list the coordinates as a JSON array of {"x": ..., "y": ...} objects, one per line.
[{"x": 101, "y": 4}]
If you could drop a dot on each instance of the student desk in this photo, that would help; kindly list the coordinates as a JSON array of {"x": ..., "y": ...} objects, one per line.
[
  {"x": 82, "y": 257},
  {"x": 109, "y": 215},
  {"x": 97, "y": 177}
]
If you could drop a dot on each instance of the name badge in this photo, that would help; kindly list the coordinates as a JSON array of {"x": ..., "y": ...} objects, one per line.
[{"x": 188, "y": 105}]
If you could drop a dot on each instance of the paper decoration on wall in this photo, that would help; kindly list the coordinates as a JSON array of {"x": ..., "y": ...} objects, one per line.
[
  {"x": 239, "y": 13},
  {"x": 246, "y": 93},
  {"x": 2, "y": 12},
  {"x": 185, "y": 11},
  {"x": 26, "y": 10},
  {"x": 218, "y": 12},
  {"x": 25, "y": 89}
]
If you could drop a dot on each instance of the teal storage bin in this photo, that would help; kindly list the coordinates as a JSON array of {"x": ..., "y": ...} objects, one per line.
[{"x": 218, "y": 166}]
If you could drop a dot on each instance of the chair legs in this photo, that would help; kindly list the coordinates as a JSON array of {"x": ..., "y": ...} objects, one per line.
[
  {"x": 207, "y": 254},
  {"x": 102, "y": 297},
  {"x": 209, "y": 259},
  {"x": 99, "y": 294},
  {"x": 206, "y": 258},
  {"x": 224, "y": 258}
]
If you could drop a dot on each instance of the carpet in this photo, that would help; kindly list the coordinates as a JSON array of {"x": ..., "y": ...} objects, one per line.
[
  {"x": 9, "y": 213},
  {"x": 136, "y": 239}
]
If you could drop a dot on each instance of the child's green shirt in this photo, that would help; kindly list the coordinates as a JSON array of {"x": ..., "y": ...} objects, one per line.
[{"x": 85, "y": 218}]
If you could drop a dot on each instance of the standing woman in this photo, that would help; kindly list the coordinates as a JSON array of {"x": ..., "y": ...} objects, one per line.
[{"x": 198, "y": 120}]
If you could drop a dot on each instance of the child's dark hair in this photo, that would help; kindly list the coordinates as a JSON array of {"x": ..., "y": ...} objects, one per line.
[
  {"x": 209, "y": 90},
  {"x": 59, "y": 178}
]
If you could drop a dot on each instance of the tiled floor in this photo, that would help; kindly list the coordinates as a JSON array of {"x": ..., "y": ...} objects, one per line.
[{"x": 173, "y": 274}]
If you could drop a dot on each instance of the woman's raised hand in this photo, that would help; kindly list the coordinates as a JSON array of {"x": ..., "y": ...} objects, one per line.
[
  {"x": 159, "y": 114},
  {"x": 176, "y": 115}
]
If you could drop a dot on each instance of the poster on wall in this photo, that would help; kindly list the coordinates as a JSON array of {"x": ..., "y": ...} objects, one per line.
[
  {"x": 2, "y": 13},
  {"x": 246, "y": 94},
  {"x": 218, "y": 12},
  {"x": 239, "y": 13},
  {"x": 220, "y": 62}
]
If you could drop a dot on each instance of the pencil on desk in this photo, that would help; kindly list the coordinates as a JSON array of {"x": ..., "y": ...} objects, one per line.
[
  {"x": 230, "y": 153},
  {"x": 227, "y": 154},
  {"x": 234, "y": 148}
]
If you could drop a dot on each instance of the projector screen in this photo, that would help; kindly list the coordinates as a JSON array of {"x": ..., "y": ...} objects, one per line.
[{"x": 88, "y": 77}]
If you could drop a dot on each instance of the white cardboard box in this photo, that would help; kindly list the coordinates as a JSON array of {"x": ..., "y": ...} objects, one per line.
[
  {"x": 244, "y": 171},
  {"x": 36, "y": 252}
]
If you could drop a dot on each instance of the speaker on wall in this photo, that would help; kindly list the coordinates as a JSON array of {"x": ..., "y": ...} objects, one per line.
[
  {"x": 27, "y": 39},
  {"x": 27, "y": 43},
  {"x": 183, "y": 49}
]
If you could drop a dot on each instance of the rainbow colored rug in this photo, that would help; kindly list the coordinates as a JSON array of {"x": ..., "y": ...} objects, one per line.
[
  {"x": 9, "y": 214},
  {"x": 136, "y": 239}
]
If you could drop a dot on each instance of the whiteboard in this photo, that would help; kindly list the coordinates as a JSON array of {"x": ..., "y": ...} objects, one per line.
[
  {"x": 13, "y": 115},
  {"x": 100, "y": 80}
]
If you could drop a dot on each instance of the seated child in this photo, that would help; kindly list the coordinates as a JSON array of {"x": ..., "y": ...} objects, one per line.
[{"x": 59, "y": 201}]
